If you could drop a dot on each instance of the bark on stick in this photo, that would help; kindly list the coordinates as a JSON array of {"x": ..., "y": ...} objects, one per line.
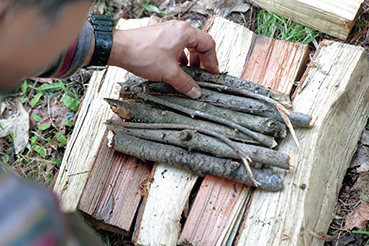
[
  {"x": 263, "y": 139},
  {"x": 199, "y": 163},
  {"x": 261, "y": 124},
  {"x": 252, "y": 106},
  {"x": 224, "y": 79},
  {"x": 237, "y": 103},
  {"x": 143, "y": 113},
  {"x": 195, "y": 141}
]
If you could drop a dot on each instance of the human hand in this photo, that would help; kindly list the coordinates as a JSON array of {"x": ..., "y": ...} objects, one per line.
[{"x": 154, "y": 53}]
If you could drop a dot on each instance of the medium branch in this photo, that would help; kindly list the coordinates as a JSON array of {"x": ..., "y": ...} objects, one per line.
[
  {"x": 199, "y": 163},
  {"x": 193, "y": 140},
  {"x": 237, "y": 103},
  {"x": 263, "y": 139},
  {"x": 139, "y": 112},
  {"x": 224, "y": 79},
  {"x": 252, "y": 106},
  {"x": 257, "y": 123}
]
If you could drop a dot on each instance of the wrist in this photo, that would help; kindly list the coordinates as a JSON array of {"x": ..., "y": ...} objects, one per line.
[
  {"x": 118, "y": 49},
  {"x": 101, "y": 40}
]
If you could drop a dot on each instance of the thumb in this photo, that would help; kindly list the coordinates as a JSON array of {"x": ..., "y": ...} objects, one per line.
[{"x": 183, "y": 83}]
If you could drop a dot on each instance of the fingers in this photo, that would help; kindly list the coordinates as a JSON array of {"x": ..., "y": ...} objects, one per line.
[
  {"x": 183, "y": 83},
  {"x": 194, "y": 59},
  {"x": 204, "y": 44},
  {"x": 183, "y": 59}
]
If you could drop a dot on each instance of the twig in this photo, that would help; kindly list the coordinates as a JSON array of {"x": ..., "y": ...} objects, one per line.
[
  {"x": 48, "y": 112},
  {"x": 196, "y": 141},
  {"x": 238, "y": 150},
  {"x": 284, "y": 112},
  {"x": 30, "y": 93},
  {"x": 265, "y": 140},
  {"x": 188, "y": 9},
  {"x": 238, "y": 91}
]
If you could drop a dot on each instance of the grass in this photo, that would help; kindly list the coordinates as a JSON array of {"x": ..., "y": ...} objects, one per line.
[
  {"x": 363, "y": 232},
  {"x": 272, "y": 25}
]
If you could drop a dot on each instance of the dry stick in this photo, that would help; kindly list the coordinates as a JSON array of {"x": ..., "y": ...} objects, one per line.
[
  {"x": 224, "y": 79},
  {"x": 264, "y": 140},
  {"x": 135, "y": 81},
  {"x": 193, "y": 140},
  {"x": 266, "y": 125},
  {"x": 257, "y": 123},
  {"x": 282, "y": 110},
  {"x": 236, "y": 103},
  {"x": 225, "y": 139},
  {"x": 253, "y": 106},
  {"x": 139, "y": 112},
  {"x": 199, "y": 163}
]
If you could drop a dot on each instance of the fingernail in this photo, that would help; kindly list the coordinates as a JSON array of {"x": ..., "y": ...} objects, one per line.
[{"x": 194, "y": 93}]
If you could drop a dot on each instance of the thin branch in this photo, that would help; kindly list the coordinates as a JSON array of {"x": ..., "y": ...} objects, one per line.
[
  {"x": 281, "y": 109},
  {"x": 264, "y": 140},
  {"x": 245, "y": 158}
]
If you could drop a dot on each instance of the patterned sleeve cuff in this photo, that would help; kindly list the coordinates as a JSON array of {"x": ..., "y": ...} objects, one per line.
[{"x": 67, "y": 63}]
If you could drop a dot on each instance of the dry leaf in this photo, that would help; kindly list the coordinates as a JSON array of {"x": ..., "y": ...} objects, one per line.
[
  {"x": 19, "y": 125},
  {"x": 361, "y": 159},
  {"x": 54, "y": 114},
  {"x": 358, "y": 218}
]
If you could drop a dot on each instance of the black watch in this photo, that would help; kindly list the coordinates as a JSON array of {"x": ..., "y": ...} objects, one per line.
[{"x": 103, "y": 28}]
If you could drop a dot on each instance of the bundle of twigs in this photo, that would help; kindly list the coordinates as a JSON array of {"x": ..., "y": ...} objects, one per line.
[{"x": 233, "y": 120}]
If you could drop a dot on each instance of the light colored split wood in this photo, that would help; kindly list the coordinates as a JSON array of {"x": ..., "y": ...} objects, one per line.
[
  {"x": 334, "y": 17},
  {"x": 112, "y": 193},
  {"x": 275, "y": 64},
  {"x": 169, "y": 191},
  {"x": 214, "y": 205},
  {"x": 335, "y": 100},
  {"x": 292, "y": 66},
  {"x": 89, "y": 129}
]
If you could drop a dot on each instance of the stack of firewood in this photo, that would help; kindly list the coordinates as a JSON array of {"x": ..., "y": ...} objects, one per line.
[{"x": 230, "y": 131}]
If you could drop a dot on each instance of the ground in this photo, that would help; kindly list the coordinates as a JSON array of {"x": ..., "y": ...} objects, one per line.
[{"x": 52, "y": 107}]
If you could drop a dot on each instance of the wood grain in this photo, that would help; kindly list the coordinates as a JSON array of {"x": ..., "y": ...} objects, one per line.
[
  {"x": 275, "y": 64},
  {"x": 335, "y": 96},
  {"x": 89, "y": 129},
  {"x": 112, "y": 193},
  {"x": 211, "y": 211},
  {"x": 333, "y": 17}
]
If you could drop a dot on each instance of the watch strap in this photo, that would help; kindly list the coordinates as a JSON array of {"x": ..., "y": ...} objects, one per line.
[{"x": 103, "y": 28}]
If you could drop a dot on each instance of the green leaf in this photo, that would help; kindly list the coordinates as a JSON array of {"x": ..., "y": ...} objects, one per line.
[
  {"x": 44, "y": 127},
  {"x": 56, "y": 86},
  {"x": 61, "y": 138},
  {"x": 11, "y": 136},
  {"x": 40, "y": 150},
  {"x": 364, "y": 115},
  {"x": 153, "y": 8},
  {"x": 36, "y": 98},
  {"x": 68, "y": 123},
  {"x": 23, "y": 100},
  {"x": 32, "y": 141},
  {"x": 5, "y": 158},
  {"x": 71, "y": 103},
  {"x": 24, "y": 87},
  {"x": 1, "y": 127},
  {"x": 36, "y": 117},
  {"x": 56, "y": 162}
]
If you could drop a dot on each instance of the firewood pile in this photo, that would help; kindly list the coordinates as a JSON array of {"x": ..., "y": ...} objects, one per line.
[{"x": 229, "y": 132}]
